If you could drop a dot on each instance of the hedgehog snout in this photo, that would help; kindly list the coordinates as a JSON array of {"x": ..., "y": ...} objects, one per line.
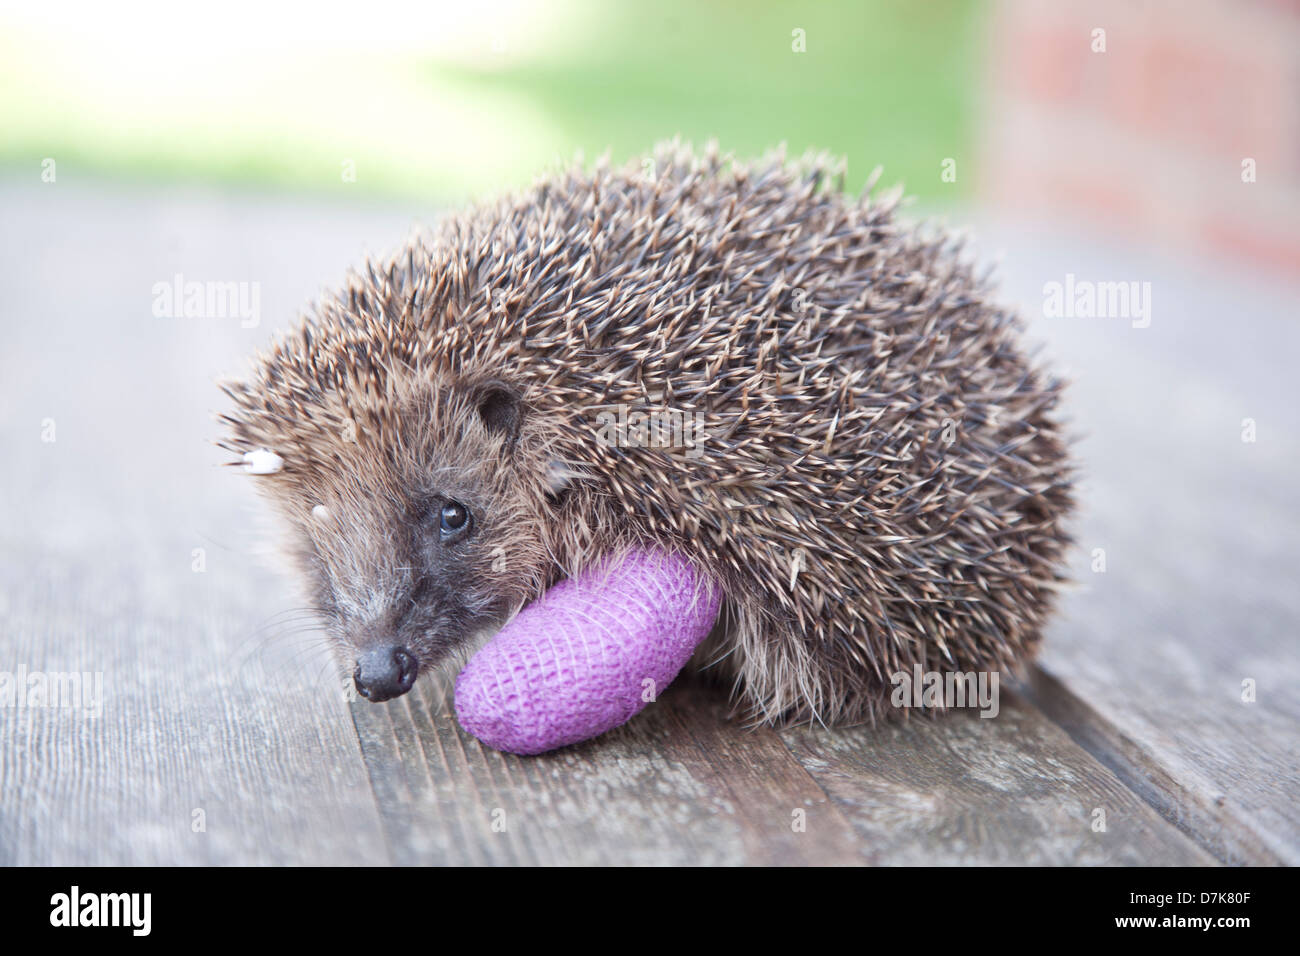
[{"x": 384, "y": 672}]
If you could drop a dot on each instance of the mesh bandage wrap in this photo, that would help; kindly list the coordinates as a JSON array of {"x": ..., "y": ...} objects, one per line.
[{"x": 576, "y": 662}]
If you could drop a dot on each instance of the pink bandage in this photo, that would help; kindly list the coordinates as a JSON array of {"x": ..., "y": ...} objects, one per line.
[{"x": 588, "y": 655}]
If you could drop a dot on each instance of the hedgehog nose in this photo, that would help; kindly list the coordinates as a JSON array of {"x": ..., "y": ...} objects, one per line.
[{"x": 385, "y": 672}]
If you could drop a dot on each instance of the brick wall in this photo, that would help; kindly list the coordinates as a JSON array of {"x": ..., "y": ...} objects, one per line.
[{"x": 1151, "y": 134}]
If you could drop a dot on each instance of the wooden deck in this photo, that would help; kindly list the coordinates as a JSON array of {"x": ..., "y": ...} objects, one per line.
[{"x": 216, "y": 710}]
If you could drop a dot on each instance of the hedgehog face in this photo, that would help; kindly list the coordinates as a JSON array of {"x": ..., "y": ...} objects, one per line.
[
  {"x": 412, "y": 549},
  {"x": 412, "y": 587}
]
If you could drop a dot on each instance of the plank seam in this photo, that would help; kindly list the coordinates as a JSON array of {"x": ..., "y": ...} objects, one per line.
[{"x": 1227, "y": 838}]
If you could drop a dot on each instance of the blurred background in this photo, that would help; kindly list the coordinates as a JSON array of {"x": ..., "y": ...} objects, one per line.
[
  {"x": 273, "y": 146},
  {"x": 1127, "y": 114},
  {"x": 447, "y": 101}
]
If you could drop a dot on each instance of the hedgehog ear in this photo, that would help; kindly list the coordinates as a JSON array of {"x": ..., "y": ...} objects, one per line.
[{"x": 501, "y": 408}]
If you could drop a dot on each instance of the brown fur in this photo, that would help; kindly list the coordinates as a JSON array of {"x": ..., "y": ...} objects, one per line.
[{"x": 881, "y": 480}]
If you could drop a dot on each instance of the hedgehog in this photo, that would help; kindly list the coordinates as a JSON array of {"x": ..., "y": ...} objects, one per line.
[{"x": 813, "y": 417}]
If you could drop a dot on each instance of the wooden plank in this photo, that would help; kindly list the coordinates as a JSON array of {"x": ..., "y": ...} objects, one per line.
[
  {"x": 684, "y": 784},
  {"x": 1198, "y": 529},
  {"x": 200, "y": 710},
  {"x": 189, "y": 723},
  {"x": 1222, "y": 830},
  {"x": 676, "y": 785},
  {"x": 789, "y": 819},
  {"x": 1146, "y": 670},
  {"x": 963, "y": 790}
]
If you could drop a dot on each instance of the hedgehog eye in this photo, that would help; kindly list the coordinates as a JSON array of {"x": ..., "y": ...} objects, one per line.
[{"x": 452, "y": 520}]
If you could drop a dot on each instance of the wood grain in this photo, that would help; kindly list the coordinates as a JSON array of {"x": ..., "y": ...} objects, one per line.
[
  {"x": 674, "y": 786},
  {"x": 1009, "y": 790},
  {"x": 1186, "y": 802},
  {"x": 683, "y": 784},
  {"x": 205, "y": 707}
]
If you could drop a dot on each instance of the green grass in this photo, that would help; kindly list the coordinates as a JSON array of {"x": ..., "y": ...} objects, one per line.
[{"x": 882, "y": 83}]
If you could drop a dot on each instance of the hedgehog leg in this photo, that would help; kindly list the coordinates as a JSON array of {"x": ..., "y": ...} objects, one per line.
[{"x": 588, "y": 655}]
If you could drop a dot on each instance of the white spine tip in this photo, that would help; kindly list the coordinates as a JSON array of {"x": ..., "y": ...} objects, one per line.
[
  {"x": 557, "y": 476},
  {"x": 262, "y": 462},
  {"x": 320, "y": 512}
]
